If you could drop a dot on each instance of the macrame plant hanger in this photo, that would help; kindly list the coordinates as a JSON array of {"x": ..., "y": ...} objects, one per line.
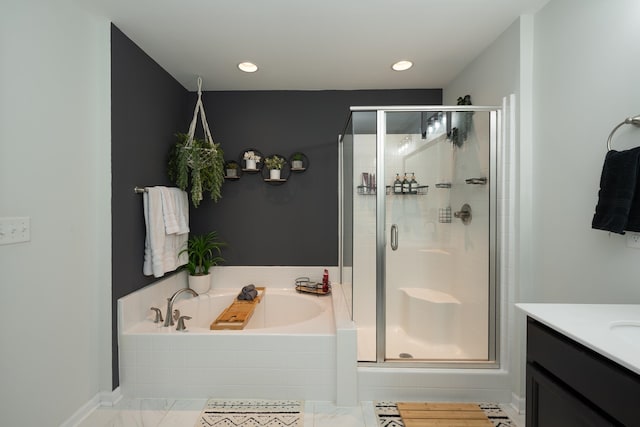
[
  {"x": 197, "y": 155},
  {"x": 206, "y": 153}
]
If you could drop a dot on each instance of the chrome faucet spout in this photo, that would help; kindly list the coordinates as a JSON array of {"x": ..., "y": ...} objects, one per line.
[{"x": 168, "y": 321}]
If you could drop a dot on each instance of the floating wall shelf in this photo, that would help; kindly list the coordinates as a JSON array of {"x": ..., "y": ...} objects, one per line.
[
  {"x": 234, "y": 170},
  {"x": 476, "y": 181}
]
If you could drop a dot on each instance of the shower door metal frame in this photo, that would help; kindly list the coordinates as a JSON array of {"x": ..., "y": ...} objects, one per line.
[
  {"x": 381, "y": 240},
  {"x": 381, "y": 236}
]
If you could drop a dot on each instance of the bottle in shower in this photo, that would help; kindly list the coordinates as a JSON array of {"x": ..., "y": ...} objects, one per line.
[
  {"x": 413, "y": 184},
  {"x": 397, "y": 185},
  {"x": 405, "y": 185}
]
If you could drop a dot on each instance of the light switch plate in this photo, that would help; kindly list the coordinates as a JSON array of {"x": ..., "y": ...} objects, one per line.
[
  {"x": 633, "y": 240},
  {"x": 14, "y": 230}
]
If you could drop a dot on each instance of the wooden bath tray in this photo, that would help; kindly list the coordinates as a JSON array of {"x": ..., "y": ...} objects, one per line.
[
  {"x": 238, "y": 314},
  {"x": 443, "y": 414}
]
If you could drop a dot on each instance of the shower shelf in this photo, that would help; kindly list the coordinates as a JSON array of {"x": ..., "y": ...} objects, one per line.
[
  {"x": 371, "y": 191},
  {"x": 476, "y": 181}
]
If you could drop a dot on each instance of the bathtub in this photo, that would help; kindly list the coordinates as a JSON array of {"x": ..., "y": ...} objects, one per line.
[
  {"x": 287, "y": 350},
  {"x": 281, "y": 311}
]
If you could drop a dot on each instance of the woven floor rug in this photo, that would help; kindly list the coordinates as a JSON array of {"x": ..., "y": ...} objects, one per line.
[
  {"x": 252, "y": 413},
  {"x": 389, "y": 416}
]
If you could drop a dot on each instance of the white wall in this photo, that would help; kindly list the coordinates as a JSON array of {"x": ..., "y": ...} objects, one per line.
[
  {"x": 574, "y": 66},
  {"x": 492, "y": 75},
  {"x": 55, "y": 354},
  {"x": 587, "y": 63}
]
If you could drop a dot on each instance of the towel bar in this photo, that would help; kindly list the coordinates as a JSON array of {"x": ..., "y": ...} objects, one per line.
[
  {"x": 139, "y": 190},
  {"x": 635, "y": 120}
]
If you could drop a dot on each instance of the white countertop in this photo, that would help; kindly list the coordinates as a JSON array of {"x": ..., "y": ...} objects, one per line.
[{"x": 590, "y": 325}]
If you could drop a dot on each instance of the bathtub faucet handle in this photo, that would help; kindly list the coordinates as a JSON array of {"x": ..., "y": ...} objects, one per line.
[
  {"x": 181, "y": 326},
  {"x": 158, "y": 318}
]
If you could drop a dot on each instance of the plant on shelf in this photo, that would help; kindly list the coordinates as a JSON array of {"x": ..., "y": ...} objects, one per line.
[
  {"x": 457, "y": 135},
  {"x": 204, "y": 251},
  {"x": 198, "y": 164},
  {"x": 274, "y": 162},
  {"x": 232, "y": 169},
  {"x": 251, "y": 159},
  {"x": 297, "y": 161}
]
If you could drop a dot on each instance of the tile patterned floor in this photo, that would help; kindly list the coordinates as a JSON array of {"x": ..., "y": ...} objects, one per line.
[{"x": 185, "y": 413}]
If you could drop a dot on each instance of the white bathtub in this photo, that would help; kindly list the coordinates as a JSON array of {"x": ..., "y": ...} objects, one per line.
[
  {"x": 281, "y": 311},
  {"x": 287, "y": 351}
]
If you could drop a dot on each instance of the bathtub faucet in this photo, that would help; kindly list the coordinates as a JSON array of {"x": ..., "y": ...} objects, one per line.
[{"x": 168, "y": 321}]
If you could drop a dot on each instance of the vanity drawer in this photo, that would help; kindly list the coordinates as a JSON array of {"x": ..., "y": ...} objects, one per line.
[
  {"x": 550, "y": 403},
  {"x": 598, "y": 381}
]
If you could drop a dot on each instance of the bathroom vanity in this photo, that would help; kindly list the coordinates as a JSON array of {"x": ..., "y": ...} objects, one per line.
[{"x": 583, "y": 365}]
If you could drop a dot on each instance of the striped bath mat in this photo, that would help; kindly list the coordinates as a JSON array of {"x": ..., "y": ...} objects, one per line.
[
  {"x": 388, "y": 415},
  {"x": 251, "y": 413}
]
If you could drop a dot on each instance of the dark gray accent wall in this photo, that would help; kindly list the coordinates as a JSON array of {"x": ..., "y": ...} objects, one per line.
[
  {"x": 290, "y": 224},
  {"x": 294, "y": 223},
  {"x": 147, "y": 107}
]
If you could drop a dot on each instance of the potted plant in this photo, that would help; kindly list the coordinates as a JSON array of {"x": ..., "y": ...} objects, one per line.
[
  {"x": 251, "y": 160},
  {"x": 198, "y": 164},
  {"x": 204, "y": 252},
  {"x": 232, "y": 170},
  {"x": 297, "y": 161},
  {"x": 274, "y": 164},
  {"x": 457, "y": 135}
]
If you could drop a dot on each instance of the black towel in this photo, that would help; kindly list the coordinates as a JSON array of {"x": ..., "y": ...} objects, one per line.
[
  {"x": 248, "y": 293},
  {"x": 248, "y": 288},
  {"x": 618, "y": 207}
]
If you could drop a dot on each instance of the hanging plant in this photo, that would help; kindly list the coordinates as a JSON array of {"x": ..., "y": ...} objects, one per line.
[
  {"x": 198, "y": 163},
  {"x": 199, "y": 166}
]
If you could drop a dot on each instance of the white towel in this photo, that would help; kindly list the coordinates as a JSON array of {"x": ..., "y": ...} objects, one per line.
[
  {"x": 161, "y": 249},
  {"x": 169, "y": 210},
  {"x": 182, "y": 210}
]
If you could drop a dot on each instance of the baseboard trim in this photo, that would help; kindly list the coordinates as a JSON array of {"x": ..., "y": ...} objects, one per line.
[
  {"x": 104, "y": 398},
  {"x": 110, "y": 398},
  {"x": 519, "y": 404}
]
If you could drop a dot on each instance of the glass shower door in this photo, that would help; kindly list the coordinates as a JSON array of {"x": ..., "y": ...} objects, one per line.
[
  {"x": 436, "y": 252},
  {"x": 408, "y": 166},
  {"x": 418, "y": 234}
]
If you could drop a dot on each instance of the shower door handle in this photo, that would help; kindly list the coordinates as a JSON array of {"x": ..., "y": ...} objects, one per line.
[{"x": 394, "y": 237}]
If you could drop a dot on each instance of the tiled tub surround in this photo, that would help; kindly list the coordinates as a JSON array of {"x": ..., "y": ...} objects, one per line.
[{"x": 290, "y": 361}]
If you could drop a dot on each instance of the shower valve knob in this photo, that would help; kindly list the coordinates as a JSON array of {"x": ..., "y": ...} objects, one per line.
[{"x": 464, "y": 214}]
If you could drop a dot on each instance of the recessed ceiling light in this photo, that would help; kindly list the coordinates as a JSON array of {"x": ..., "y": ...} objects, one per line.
[
  {"x": 248, "y": 67},
  {"x": 402, "y": 65}
]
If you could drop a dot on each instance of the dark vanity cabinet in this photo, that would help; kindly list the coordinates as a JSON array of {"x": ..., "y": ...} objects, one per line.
[{"x": 570, "y": 385}]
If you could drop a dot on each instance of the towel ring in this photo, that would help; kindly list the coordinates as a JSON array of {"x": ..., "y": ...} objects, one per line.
[{"x": 628, "y": 121}]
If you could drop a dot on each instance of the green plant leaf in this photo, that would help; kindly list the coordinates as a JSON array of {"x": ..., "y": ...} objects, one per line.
[
  {"x": 204, "y": 252},
  {"x": 200, "y": 168}
]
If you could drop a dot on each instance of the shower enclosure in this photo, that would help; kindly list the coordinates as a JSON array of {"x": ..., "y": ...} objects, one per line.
[{"x": 418, "y": 226}]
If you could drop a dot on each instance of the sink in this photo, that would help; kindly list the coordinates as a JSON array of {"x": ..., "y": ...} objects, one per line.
[{"x": 628, "y": 331}]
